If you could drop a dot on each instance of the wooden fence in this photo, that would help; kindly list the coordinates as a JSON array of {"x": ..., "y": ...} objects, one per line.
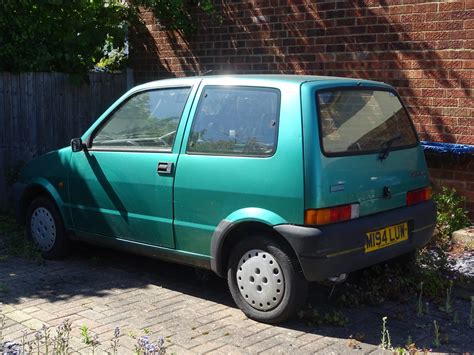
[{"x": 40, "y": 112}]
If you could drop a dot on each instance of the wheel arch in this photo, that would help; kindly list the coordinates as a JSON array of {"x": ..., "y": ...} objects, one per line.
[
  {"x": 40, "y": 188},
  {"x": 231, "y": 230}
]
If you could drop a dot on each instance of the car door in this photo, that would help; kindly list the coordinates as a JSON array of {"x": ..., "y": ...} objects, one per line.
[
  {"x": 230, "y": 161},
  {"x": 121, "y": 186}
]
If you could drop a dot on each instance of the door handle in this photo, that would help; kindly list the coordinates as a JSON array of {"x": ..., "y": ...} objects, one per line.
[{"x": 165, "y": 168}]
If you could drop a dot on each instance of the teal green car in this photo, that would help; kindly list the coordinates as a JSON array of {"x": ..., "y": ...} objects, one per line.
[{"x": 271, "y": 181}]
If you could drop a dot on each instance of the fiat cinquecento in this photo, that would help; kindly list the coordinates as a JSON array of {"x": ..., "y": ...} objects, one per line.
[{"x": 271, "y": 181}]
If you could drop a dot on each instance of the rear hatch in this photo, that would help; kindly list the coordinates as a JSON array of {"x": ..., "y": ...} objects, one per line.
[{"x": 368, "y": 153}]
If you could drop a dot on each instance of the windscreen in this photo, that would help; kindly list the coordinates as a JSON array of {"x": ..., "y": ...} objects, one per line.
[{"x": 362, "y": 121}]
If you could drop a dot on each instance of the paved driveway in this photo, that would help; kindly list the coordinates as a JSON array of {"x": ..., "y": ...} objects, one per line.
[{"x": 192, "y": 311}]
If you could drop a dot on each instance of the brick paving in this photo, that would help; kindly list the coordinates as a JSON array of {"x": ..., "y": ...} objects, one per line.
[{"x": 192, "y": 310}]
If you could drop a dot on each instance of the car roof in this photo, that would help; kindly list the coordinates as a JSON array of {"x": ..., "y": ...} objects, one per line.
[{"x": 266, "y": 79}]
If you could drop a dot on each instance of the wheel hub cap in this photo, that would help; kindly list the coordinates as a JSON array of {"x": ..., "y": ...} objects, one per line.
[
  {"x": 260, "y": 280},
  {"x": 43, "y": 228}
]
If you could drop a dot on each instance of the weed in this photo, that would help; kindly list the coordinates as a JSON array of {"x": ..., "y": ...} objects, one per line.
[
  {"x": 437, "y": 338},
  {"x": 94, "y": 343},
  {"x": 471, "y": 314},
  {"x": 353, "y": 343},
  {"x": 115, "y": 341},
  {"x": 145, "y": 347},
  {"x": 451, "y": 215},
  {"x": 434, "y": 282},
  {"x": 2, "y": 325},
  {"x": 456, "y": 318},
  {"x": 399, "y": 351},
  {"x": 12, "y": 173},
  {"x": 14, "y": 241},
  {"x": 89, "y": 339},
  {"x": 86, "y": 337},
  {"x": 61, "y": 338},
  {"x": 313, "y": 317},
  {"x": 420, "y": 301},
  {"x": 448, "y": 307},
  {"x": 46, "y": 337},
  {"x": 4, "y": 288},
  {"x": 47, "y": 341},
  {"x": 392, "y": 281},
  {"x": 385, "y": 342},
  {"x": 412, "y": 349}
]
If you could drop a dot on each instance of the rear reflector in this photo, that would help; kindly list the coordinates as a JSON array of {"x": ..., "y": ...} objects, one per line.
[
  {"x": 332, "y": 214},
  {"x": 417, "y": 196}
]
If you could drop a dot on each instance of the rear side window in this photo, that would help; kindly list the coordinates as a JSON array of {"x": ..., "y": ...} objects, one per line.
[
  {"x": 363, "y": 121},
  {"x": 235, "y": 121}
]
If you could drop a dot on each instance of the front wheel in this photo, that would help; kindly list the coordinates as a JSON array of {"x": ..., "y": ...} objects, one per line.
[
  {"x": 45, "y": 227},
  {"x": 265, "y": 281}
]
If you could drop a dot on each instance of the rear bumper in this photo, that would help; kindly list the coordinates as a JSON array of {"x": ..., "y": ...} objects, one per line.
[{"x": 332, "y": 250}]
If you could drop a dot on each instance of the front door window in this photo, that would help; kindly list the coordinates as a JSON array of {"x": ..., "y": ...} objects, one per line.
[{"x": 148, "y": 120}]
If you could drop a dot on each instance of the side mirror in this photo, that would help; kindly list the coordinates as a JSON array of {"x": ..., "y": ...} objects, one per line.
[{"x": 77, "y": 145}]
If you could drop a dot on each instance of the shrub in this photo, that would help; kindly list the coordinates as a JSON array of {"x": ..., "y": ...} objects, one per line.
[{"x": 451, "y": 216}]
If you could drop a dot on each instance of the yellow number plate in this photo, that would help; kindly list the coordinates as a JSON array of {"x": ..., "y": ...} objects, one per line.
[{"x": 385, "y": 237}]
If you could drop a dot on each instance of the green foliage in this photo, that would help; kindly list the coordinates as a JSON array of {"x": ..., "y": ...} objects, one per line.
[
  {"x": 314, "y": 318},
  {"x": 75, "y": 36},
  {"x": 57, "y": 35},
  {"x": 86, "y": 337},
  {"x": 452, "y": 215},
  {"x": 396, "y": 280},
  {"x": 437, "y": 335},
  {"x": 419, "y": 308},
  {"x": 12, "y": 173},
  {"x": 13, "y": 241},
  {"x": 175, "y": 15},
  {"x": 385, "y": 341}
]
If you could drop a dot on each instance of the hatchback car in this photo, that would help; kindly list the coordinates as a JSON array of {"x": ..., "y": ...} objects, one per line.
[{"x": 269, "y": 181}]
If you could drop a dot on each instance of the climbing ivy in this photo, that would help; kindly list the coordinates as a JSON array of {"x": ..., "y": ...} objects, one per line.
[{"x": 175, "y": 14}]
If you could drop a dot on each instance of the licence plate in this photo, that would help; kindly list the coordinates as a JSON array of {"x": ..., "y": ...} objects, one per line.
[{"x": 385, "y": 237}]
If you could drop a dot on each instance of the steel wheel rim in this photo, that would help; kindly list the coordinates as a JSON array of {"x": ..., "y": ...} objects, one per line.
[
  {"x": 260, "y": 280},
  {"x": 43, "y": 228}
]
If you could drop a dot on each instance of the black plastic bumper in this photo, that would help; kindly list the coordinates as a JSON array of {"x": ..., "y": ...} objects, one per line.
[
  {"x": 17, "y": 194},
  {"x": 339, "y": 248}
]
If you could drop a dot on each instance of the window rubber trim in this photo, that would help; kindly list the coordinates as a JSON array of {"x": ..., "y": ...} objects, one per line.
[
  {"x": 220, "y": 154},
  {"x": 361, "y": 88}
]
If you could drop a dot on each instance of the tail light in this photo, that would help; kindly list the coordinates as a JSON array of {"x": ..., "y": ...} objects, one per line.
[
  {"x": 332, "y": 214},
  {"x": 417, "y": 196}
]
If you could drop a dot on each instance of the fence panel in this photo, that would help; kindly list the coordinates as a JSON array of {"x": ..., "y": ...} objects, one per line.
[{"x": 40, "y": 112}]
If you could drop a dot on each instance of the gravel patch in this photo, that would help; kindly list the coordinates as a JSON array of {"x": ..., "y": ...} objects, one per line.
[{"x": 464, "y": 264}]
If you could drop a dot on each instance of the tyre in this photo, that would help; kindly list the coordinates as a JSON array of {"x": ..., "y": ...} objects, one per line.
[
  {"x": 45, "y": 227},
  {"x": 265, "y": 280}
]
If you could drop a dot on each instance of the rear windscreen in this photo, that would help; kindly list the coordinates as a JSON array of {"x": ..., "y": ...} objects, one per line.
[{"x": 354, "y": 121}]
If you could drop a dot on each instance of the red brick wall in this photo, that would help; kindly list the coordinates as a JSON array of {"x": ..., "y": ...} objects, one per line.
[{"x": 424, "y": 48}]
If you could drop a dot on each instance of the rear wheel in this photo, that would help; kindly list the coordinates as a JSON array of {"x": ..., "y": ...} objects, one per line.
[
  {"x": 45, "y": 227},
  {"x": 265, "y": 281}
]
